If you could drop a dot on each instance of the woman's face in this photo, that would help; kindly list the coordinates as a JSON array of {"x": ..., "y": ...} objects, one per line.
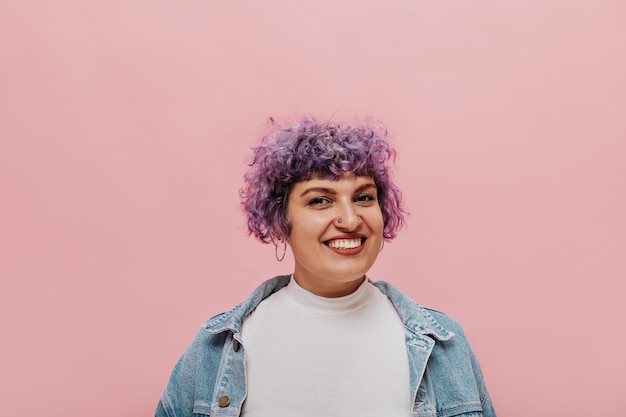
[{"x": 332, "y": 256}]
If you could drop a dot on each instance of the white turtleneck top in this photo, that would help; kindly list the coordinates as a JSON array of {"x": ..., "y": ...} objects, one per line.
[{"x": 310, "y": 356}]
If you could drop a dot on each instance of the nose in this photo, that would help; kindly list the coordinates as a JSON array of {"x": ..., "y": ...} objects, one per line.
[{"x": 348, "y": 218}]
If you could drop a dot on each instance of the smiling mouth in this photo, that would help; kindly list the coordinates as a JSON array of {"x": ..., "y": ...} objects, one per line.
[{"x": 345, "y": 243}]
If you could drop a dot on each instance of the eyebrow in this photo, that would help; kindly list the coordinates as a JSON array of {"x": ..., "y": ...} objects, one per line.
[{"x": 332, "y": 191}]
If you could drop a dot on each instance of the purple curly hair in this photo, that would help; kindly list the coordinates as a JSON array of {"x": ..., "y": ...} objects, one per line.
[{"x": 309, "y": 150}]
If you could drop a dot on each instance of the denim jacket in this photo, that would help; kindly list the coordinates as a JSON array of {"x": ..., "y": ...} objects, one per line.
[{"x": 446, "y": 379}]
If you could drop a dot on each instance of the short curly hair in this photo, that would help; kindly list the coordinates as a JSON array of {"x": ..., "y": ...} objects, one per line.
[{"x": 314, "y": 150}]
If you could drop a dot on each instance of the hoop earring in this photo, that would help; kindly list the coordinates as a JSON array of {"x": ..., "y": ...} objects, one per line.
[
  {"x": 382, "y": 246},
  {"x": 280, "y": 258}
]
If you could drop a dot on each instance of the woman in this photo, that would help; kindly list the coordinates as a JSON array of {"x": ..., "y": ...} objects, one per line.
[{"x": 326, "y": 340}]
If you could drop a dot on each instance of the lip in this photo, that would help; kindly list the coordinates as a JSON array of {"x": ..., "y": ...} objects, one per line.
[{"x": 347, "y": 252}]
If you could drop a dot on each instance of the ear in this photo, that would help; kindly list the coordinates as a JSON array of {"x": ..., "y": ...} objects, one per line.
[{"x": 281, "y": 239}]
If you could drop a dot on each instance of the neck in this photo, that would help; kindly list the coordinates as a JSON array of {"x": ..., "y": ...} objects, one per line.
[{"x": 330, "y": 290}]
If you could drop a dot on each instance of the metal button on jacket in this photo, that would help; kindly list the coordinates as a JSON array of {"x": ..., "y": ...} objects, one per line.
[{"x": 224, "y": 401}]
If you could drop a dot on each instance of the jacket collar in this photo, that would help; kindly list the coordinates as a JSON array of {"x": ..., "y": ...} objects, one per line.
[
  {"x": 416, "y": 318},
  {"x": 232, "y": 319}
]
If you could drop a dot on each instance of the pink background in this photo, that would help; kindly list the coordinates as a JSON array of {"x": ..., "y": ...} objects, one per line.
[{"x": 125, "y": 127}]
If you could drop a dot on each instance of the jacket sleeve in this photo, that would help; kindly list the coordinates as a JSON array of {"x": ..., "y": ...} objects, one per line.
[
  {"x": 485, "y": 399},
  {"x": 177, "y": 399},
  {"x": 200, "y": 362}
]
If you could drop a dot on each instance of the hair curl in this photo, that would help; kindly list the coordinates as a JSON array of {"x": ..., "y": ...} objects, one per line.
[{"x": 309, "y": 150}]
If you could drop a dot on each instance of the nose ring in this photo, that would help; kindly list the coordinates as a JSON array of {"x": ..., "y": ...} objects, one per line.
[{"x": 339, "y": 220}]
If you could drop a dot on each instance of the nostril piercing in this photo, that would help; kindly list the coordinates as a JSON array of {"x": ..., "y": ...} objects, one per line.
[{"x": 339, "y": 220}]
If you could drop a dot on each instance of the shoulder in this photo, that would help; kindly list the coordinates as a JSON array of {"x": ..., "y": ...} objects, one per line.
[
  {"x": 232, "y": 319},
  {"x": 421, "y": 319},
  {"x": 444, "y": 320}
]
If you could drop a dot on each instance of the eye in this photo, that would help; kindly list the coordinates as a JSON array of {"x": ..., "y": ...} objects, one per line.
[
  {"x": 319, "y": 202},
  {"x": 365, "y": 198}
]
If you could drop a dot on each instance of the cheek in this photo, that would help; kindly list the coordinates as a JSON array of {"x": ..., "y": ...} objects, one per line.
[
  {"x": 307, "y": 229},
  {"x": 376, "y": 220}
]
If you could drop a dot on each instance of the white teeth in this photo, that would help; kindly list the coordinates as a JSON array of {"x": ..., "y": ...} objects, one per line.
[{"x": 344, "y": 243}]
